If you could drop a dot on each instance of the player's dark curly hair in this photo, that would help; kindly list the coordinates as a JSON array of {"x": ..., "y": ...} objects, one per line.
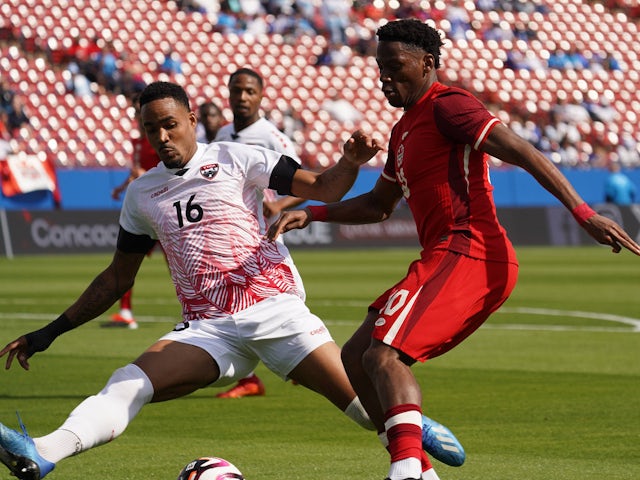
[
  {"x": 158, "y": 90},
  {"x": 414, "y": 33},
  {"x": 247, "y": 71}
]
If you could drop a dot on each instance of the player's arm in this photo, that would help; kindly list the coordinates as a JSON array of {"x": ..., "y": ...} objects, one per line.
[
  {"x": 507, "y": 146},
  {"x": 334, "y": 182},
  {"x": 103, "y": 292},
  {"x": 271, "y": 209},
  {"x": 374, "y": 206}
]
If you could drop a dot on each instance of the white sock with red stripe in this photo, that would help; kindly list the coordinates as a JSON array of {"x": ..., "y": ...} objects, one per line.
[{"x": 403, "y": 426}]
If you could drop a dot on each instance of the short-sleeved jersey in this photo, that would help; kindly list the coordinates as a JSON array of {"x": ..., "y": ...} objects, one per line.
[
  {"x": 262, "y": 133},
  {"x": 206, "y": 219},
  {"x": 435, "y": 157},
  {"x": 144, "y": 156}
]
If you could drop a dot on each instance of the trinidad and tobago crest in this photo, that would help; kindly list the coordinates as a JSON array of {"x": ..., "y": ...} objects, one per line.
[{"x": 209, "y": 171}]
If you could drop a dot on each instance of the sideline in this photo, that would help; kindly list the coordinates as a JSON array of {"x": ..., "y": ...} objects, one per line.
[{"x": 634, "y": 323}]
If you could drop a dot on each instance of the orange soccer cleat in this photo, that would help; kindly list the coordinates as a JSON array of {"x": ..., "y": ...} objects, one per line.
[
  {"x": 250, "y": 386},
  {"x": 118, "y": 320}
]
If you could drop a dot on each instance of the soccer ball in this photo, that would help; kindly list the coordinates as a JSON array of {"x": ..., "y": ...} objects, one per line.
[{"x": 210, "y": 468}]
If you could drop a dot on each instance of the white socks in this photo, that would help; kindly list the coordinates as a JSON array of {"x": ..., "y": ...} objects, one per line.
[
  {"x": 405, "y": 465},
  {"x": 430, "y": 475},
  {"x": 406, "y": 468},
  {"x": 99, "y": 418},
  {"x": 356, "y": 412}
]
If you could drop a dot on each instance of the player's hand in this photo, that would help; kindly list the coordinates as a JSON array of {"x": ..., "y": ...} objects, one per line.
[
  {"x": 19, "y": 349},
  {"x": 360, "y": 148},
  {"x": 270, "y": 209},
  {"x": 607, "y": 232},
  {"x": 288, "y": 221},
  {"x": 115, "y": 194}
]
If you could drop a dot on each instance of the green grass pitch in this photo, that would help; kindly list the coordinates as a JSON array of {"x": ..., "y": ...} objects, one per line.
[{"x": 549, "y": 388}]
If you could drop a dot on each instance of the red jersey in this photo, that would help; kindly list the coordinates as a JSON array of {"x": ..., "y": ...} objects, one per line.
[
  {"x": 434, "y": 156},
  {"x": 144, "y": 156}
]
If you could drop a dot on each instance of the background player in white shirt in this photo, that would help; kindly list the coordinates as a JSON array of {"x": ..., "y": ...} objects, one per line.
[
  {"x": 245, "y": 98},
  {"x": 246, "y": 89}
]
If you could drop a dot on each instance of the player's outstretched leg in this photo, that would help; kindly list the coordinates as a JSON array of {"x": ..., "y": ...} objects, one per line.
[
  {"x": 441, "y": 444},
  {"x": 19, "y": 454}
]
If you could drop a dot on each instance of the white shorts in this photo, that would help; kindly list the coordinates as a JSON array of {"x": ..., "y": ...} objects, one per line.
[{"x": 280, "y": 331}]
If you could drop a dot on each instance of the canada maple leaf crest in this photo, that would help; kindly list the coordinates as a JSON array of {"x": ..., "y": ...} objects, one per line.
[{"x": 209, "y": 171}]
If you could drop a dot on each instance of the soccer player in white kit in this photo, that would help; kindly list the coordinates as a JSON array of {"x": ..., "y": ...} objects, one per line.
[
  {"x": 239, "y": 292},
  {"x": 249, "y": 127}
]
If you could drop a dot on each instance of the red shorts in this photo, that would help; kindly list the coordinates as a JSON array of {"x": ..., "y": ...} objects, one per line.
[{"x": 443, "y": 299}]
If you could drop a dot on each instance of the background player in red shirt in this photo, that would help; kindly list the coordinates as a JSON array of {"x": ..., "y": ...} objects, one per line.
[
  {"x": 144, "y": 158},
  {"x": 437, "y": 161}
]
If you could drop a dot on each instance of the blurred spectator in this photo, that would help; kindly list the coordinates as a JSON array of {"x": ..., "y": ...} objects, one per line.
[
  {"x": 335, "y": 55},
  {"x": 459, "y": 20},
  {"x": 17, "y": 115},
  {"x": 336, "y": 17},
  {"x": 522, "y": 31},
  {"x": 108, "y": 68},
  {"x": 487, "y": 5},
  {"x": 227, "y": 21},
  {"x": 575, "y": 111},
  {"x": 340, "y": 109},
  {"x": 306, "y": 8},
  {"x": 256, "y": 25},
  {"x": 131, "y": 78},
  {"x": 172, "y": 63},
  {"x": 523, "y": 59},
  {"x": 191, "y": 6},
  {"x": 570, "y": 111},
  {"x": 5, "y": 134},
  {"x": 600, "y": 110},
  {"x": 250, "y": 7},
  {"x": 526, "y": 129},
  {"x": 569, "y": 156},
  {"x": 628, "y": 151},
  {"x": 292, "y": 123},
  {"x": 77, "y": 82},
  {"x": 6, "y": 95},
  {"x": 498, "y": 31},
  {"x": 576, "y": 58},
  {"x": 605, "y": 61},
  {"x": 558, "y": 60},
  {"x": 619, "y": 188},
  {"x": 292, "y": 27}
]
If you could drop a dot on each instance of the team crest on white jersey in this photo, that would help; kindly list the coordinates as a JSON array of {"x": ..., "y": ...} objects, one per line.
[{"x": 209, "y": 171}]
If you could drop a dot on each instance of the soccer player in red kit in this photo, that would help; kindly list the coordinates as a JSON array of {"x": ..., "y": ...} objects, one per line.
[
  {"x": 437, "y": 162},
  {"x": 144, "y": 158}
]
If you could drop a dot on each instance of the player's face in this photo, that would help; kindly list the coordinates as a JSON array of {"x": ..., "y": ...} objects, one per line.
[
  {"x": 211, "y": 119},
  {"x": 171, "y": 130},
  {"x": 406, "y": 74},
  {"x": 245, "y": 96}
]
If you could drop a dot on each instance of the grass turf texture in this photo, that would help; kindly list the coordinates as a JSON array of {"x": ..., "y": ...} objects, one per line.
[{"x": 535, "y": 394}]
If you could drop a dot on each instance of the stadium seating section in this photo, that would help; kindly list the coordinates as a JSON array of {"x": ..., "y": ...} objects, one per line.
[{"x": 95, "y": 131}]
